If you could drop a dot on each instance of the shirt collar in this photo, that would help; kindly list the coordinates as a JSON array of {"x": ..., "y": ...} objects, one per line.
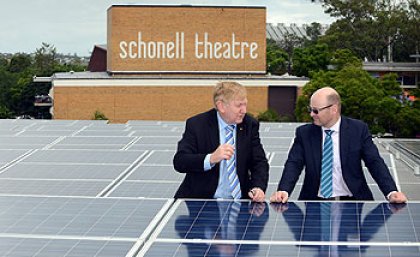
[
  {"x": 335, "y": 127},
  {"x": 222, "y": 123}
]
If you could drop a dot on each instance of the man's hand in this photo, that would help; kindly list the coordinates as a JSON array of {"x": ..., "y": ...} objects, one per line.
[
  {"x": 279, "y": 197},
  {"x": 396, "y": 207},
  {"x": 257, "y": 209},
  {"x": 257, "y": 195},
  {"x": 223, "y": 152},
  {"x": 280, "y": 207},
  {"x": 397, "y": 197}
]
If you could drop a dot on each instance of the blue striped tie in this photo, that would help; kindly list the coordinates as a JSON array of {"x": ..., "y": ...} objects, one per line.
[
  {"x": 325, "y": 221},
  {"x": 231, "y": 165},
  {"x": 327, "y": 161}
]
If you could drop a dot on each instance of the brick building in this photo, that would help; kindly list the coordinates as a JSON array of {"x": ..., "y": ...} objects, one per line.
[{"x": 162, "y": 63}]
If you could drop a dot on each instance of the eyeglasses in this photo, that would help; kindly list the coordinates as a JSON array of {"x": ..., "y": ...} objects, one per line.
[{"x": 317, "y": 110}]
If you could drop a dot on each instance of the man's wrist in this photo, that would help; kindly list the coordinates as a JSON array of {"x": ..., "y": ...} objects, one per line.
[
  {"x": 207, "y": 163},
  {"x": 388, "y": 196},
  {"x": 254, "y": 189}
]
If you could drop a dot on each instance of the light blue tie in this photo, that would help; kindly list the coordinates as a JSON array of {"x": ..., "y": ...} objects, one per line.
[
  {"x": 325, "y": 223},
  {"x": 327, "y": 162},
  {"x": 231, "y": 165}
]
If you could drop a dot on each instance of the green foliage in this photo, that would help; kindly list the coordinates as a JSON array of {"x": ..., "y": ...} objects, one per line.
[
  {"x": 301, "y": 111},
  {"x": 19, "y": 63},
  {"x": 390, "y": 84},
  {"x": 384, "y": 29},
  {"x": 277, "y": 59},
  {"x": 3, "y": 63},
  {"x": 376, "y": 102},
  {"x": 5, "y": 113},
  {"x": 407, "y": 122},
  {"x": 313, "y": 31},
  {"x": 17, "y": 91},
  {"x": 7, "y": 80},
  {"x": 344, "y": 57},
  {"x": 98, "y": 115},
  {"x": 269, "y": 115},
  {"x": 311, "y": 59}
]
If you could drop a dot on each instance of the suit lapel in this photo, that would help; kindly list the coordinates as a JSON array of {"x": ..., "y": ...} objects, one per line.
[
  {"x": 344, "y": 141},
  {"x": 316, "y": 145},
  {"x": 240, "y": 139},
  {"x": 213, "y": 130}
]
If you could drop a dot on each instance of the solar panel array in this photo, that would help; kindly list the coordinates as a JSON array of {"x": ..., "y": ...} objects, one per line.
[
  {"x": 88, "y": 188},
  {"x": 205, "y": 228}
]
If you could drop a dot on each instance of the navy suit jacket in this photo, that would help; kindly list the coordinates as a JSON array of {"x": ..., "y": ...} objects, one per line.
[
  {"x": 355, "y": 145},
  {"x": 200, "y": 138}
]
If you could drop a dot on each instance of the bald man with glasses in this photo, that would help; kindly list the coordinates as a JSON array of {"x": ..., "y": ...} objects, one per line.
[{"x": 331, "y": 150}]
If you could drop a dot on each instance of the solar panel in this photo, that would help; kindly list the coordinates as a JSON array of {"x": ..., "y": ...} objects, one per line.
[
  {"x": 27, "y": 140},
  {"x": 160, "y": 157},
  {"x": 56, "y": 133},
  {"x": 50, "y": 247},
  {"x": 60, "y": 226},
  {"x": 218, "y": 228},
  {"x": 10, "y": 155},
  {"x": 104, "y": 133},
  {"x": 145, "y": 189},
  {"x": 62, "y": 171},
  {"x": 84, "y": 156},
  {"x": 88, "y": 188},
  {"x": 156, "y": 173},
  {"x": 77, "y": 217},
  {"x": 52, "y": 187}
]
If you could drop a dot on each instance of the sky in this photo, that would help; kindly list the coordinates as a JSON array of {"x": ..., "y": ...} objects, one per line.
[{"x": 75, "y": 26}]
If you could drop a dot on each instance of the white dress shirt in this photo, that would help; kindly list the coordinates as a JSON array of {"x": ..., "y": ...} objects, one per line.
[{"x": 339, "y": 186}]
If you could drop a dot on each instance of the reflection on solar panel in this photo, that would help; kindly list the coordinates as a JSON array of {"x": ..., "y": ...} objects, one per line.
[
  {"x": 219, "y": 228},
  {"x": 88, "y": 188}
]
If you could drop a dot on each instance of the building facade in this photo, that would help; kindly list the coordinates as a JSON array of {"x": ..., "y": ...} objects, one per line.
[{"x": 162, "y": 63}]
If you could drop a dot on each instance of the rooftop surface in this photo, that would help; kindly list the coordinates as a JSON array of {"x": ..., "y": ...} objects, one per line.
[{"x": 88, "y": 188}]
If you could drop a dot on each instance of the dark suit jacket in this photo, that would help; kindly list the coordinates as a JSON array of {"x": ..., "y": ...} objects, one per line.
[
  {"x": 200, "y": 138},
  {"x": 355, "y": 145}
]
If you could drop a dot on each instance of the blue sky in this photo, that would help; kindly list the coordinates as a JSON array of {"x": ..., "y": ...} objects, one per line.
[{"x": 75, "y": 26}]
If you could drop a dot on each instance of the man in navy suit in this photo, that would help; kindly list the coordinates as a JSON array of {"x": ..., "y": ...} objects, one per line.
[
  {"x": 351, "y": 143},
  {"x": 203, "y": 152}
]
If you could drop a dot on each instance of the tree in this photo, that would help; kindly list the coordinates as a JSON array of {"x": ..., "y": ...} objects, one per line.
[
  {"x": 3, "y": 63},
  {"x": 344, "y": 57},
  {"x": 20, "y": 62},
  {"x": 45, "y": 60},
  {"x": 289, "y": 43},
  {"x": 313, "y": 32},
  {"x": 409, "y": 34},
  {"x": 373, "y": 29},
  {"x": 17, "y": 90},
  {"x": 310, "y": 59},
  {"x": 7, "y": 80},
  {"x": 364, "y": 97},
  {"x": 276, "y": 58}
]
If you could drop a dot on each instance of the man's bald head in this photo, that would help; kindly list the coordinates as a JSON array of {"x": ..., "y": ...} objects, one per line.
[
  {"x": 326, "y": 107},
  {"x": 329, "y": 95}
]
